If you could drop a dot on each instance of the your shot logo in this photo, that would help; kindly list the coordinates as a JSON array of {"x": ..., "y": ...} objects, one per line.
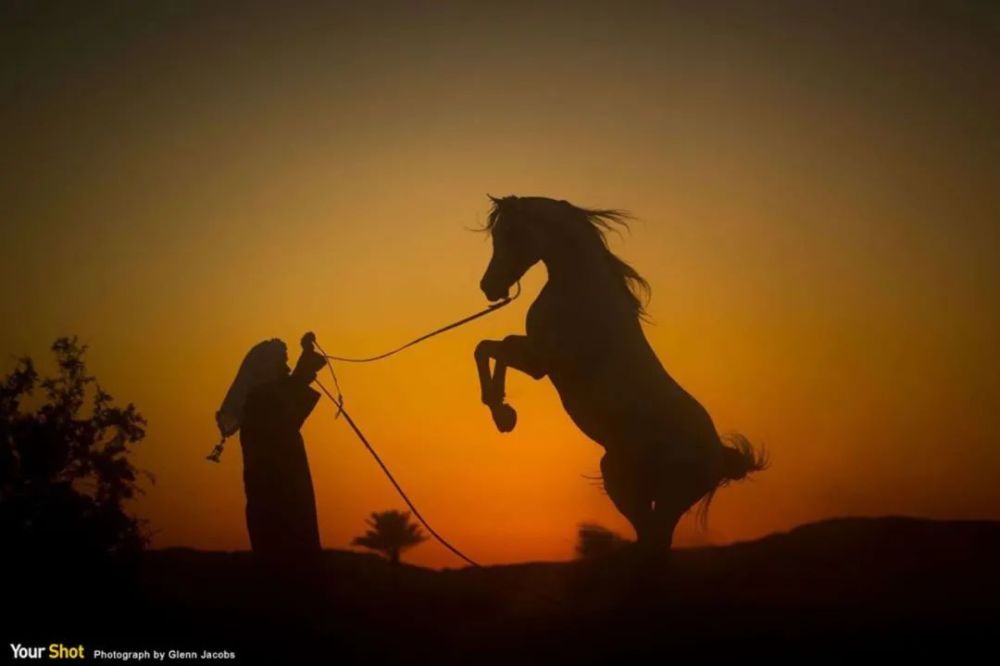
[
  {"x": 51, "y": 651},
  {"x": 60, "y": 651}
]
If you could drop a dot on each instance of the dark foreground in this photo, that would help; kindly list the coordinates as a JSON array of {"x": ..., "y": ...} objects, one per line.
[{"x": 841, "y": 587}]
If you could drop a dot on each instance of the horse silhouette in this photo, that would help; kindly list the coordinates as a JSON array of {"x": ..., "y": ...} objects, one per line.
[{"x": 662, "y": 451}]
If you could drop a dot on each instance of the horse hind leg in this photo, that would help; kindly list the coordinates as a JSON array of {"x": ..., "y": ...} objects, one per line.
[
  {"x": 662, "y": 526},
  {"x": 679, "y": 489},
  {"x": 625, "y": 490}
]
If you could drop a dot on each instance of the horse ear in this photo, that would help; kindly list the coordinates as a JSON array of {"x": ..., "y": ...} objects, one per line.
[{"x": 493, "y": 198}]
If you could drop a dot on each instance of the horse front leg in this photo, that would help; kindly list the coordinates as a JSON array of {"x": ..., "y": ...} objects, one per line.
[{"x": 513, "y": 351}]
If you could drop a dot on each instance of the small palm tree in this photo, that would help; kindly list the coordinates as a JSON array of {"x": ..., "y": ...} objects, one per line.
[{"x": 391, "y": 532}]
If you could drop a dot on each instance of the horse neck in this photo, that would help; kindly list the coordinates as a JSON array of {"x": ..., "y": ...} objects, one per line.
[{"x": 578, "y": 265}]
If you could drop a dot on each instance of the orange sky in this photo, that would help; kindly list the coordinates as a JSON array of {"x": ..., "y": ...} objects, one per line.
[{"x": 816, "y": 193}]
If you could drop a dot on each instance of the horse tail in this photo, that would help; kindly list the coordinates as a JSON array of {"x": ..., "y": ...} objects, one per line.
[{"x": 740, "y": 459}]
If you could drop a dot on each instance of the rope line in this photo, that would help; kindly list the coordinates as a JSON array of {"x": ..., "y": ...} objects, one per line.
[
  {"x": 399, "y": 489},
  {"x": 438, "y": 331},
  {"x": 339, "y": 402}
]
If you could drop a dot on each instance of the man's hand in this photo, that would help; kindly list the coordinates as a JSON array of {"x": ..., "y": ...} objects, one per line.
[{"x": 310, "y": 361}]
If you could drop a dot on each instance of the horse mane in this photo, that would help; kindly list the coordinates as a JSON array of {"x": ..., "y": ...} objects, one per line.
[
  {"x": 601, "y": 222},
  {"x": 604, "y": 221}
]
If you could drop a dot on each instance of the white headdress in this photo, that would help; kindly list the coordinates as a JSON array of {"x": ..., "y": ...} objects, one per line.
[{"x": 266, "y": 361}]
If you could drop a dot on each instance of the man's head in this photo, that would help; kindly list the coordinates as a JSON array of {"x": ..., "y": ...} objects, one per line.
[{"x": 265, "y": 362}]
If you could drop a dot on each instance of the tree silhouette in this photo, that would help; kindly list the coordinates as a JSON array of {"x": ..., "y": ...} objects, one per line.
[
  {"x": 391, "y": 532},
  {"x": 64, "y": 467},
  {"x": 594, "y": 541}
]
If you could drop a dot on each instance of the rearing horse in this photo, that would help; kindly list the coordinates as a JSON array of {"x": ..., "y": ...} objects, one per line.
[{"x": 662, "y": 452}]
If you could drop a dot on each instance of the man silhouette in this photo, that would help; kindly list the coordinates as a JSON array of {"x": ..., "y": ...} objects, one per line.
[{"x": 280, "y": 502}]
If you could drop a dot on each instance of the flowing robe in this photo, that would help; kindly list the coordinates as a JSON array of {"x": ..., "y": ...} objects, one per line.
[{"x": 281, "y": 505}]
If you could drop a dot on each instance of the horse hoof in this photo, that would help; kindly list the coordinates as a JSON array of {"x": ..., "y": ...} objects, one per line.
[{"x": 505, "y": 417}]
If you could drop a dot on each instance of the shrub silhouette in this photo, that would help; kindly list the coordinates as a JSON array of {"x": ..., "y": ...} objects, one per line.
[
  {"x": 594, "y": 541},
  {"x": 391, "y": 532},
  {"x": 64, "y": 466}
]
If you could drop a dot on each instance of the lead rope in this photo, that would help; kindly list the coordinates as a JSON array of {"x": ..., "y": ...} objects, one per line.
[
  {"x": 439, "y": 331},
  {"x": 392, "y": 479},
  {"x": 339, "y": 402}
]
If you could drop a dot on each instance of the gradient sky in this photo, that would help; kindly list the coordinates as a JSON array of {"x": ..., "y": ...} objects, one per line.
[{"x": 816, "y": 187}]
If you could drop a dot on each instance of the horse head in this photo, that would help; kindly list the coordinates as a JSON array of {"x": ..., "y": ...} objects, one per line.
[
  {"x": 526, "y": 230},
  {"x": 517, "y": 243}
]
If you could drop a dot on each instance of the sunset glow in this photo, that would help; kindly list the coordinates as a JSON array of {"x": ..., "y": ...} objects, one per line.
[{"x": 819, "y": 226}]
